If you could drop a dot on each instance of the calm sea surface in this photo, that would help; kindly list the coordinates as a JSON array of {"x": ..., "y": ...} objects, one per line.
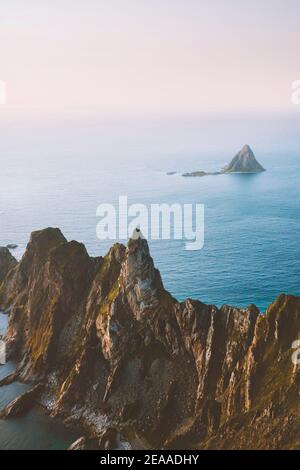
[{"x": 58, "y": 177}]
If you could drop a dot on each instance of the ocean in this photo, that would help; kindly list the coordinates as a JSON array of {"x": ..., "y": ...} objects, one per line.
[{"x": 57, "y": 175}]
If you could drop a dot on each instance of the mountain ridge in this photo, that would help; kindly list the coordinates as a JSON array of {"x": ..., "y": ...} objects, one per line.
[{"x": 118, "y": 354}]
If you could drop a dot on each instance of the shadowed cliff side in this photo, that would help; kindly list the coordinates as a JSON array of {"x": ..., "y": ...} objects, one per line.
[
  {"x": 114, "y": 350},
  {"x": 7, "y": 262}
]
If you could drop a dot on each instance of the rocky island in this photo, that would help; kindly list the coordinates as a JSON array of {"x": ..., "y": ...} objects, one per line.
[
  {"x": 243, "y": 162},
  {"x": 103, "y": 344}
]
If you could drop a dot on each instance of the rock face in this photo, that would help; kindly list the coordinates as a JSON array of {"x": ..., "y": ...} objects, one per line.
[
  {"x": 7, "y": 262},
  {"x": 244, "y": 162},
  {"x": 79, "y": 444},
  {"x": 22, "y": 404},
  {"x": 117, "y": 353}
]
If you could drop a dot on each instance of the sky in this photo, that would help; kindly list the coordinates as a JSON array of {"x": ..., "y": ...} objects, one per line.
[{"x": 121, "y": 58}]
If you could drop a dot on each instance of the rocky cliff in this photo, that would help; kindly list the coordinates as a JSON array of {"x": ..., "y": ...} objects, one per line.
[
  {"x": 117, "y": 353},
  {"x": 7, "y": 262}
]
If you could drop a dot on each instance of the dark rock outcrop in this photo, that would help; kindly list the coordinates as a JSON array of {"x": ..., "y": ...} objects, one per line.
[
  {"x": 79, "y": 444},
  {"x": 244, "y": 162},
  {"x": 9, "y": 379},
  {"x": 116, "y": 351},
  {"x": 11, "y": 246},
  {"x": 22, "y": 404},
  {"x": 7, "y": 262}
]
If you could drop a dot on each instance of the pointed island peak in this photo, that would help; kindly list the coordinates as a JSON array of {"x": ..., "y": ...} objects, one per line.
[
  {"x": 246, "y": 148},
  {"x": 107, "y": 329},
  {"x": 244, "y": 162}
]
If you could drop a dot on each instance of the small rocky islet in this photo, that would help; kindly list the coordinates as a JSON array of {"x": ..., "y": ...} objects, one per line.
[
  {"x": 243, "y": 162},
  {"x": 12, "y": 246},
  {"x": 105, "y": 346}
]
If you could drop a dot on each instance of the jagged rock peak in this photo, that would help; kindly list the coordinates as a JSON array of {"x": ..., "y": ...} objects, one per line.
[
  {"x": 44, "y": 240},
  {"x": 40, "y": 244},
  {"x": 244, "y": 162},
  {"x": 140, "y": 281}
]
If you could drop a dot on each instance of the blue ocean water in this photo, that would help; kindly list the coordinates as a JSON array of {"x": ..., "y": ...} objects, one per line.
[{"x": 58, "y": 175}]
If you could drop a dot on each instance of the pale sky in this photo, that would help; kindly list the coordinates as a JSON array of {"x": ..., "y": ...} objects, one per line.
[{"x": 148, "y": 57}]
